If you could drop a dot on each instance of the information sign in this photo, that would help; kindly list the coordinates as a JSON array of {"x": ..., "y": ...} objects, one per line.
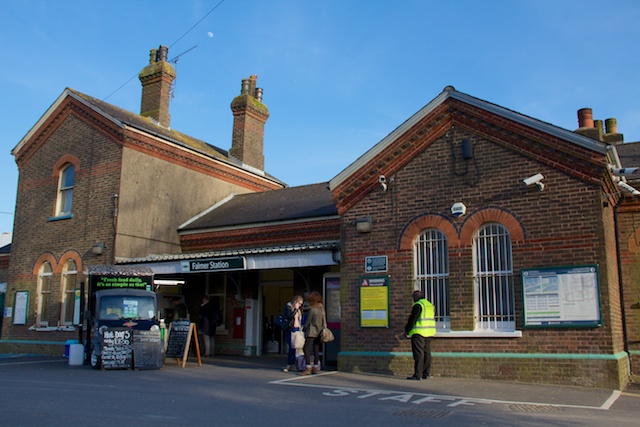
[
  {"x": 561, "y": 297},
  {"x": 374, "y": 301}
]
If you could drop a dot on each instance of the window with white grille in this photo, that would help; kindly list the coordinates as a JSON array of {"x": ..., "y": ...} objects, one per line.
[
  {"x": 45, "y": 277},
  {"x": 431, "y": 261},
  {"x": 493, "y": 279}
]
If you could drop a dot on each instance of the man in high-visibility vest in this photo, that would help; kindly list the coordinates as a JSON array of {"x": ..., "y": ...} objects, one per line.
[{"x": 421, "y": 328}]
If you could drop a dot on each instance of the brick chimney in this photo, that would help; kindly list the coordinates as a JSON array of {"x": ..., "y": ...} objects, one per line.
[
  {"x": 156, "y": 79},
  {"x": 586, "y": 125},
  {"x": 249, "y": 118},
  {"x": 611, "y": 135}
]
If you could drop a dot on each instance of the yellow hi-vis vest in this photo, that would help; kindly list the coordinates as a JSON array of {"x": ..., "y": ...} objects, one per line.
[{"x": 426, "y": 324}]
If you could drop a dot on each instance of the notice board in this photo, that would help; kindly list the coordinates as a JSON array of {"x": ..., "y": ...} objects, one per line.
[
  {"x": 147, "y": 350},
  {"x": 561, "y": 297},
  {"x": 181, "y": 333},
  {"x": 117, "y": 348},
  {"x": 374, "y": 301}
]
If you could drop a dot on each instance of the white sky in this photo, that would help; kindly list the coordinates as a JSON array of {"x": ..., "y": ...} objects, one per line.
[{"x": 338, "y": 75}]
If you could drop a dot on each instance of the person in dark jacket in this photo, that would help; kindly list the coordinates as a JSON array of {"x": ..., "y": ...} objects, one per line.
[
  {"x": 208, "y": 315},
  {"x": 421, "y": 328},
  {"x": 292, "y": 311},
  {"x": 313, "y": 326}
]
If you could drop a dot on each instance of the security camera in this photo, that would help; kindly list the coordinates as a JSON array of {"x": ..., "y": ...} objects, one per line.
[
  {"x": 624, "y": 171},
  {"x": 383, "y": 182},
  {"x": 533, "y": 179},
  {"x": 629, "y": 188}
]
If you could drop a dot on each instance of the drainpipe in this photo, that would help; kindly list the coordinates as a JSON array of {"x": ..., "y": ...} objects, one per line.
[{"x": 625, "y": 338}]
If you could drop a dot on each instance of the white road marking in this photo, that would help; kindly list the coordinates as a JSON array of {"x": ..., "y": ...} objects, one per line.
[{"x": 418, "y": 398}]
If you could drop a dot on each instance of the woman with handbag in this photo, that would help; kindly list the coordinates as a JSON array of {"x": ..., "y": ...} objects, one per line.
[
  {"x": 313, "y": 326},
  {"x": 293, "y": 311}
]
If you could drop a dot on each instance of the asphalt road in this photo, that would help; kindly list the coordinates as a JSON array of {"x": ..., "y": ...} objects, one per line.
[{"x": 239, "y": 391}]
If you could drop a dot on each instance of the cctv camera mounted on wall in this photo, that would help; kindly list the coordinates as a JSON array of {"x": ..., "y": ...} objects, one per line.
[
  {"x": 535, "y": 179},
  {"x": 383, "y": 182}
]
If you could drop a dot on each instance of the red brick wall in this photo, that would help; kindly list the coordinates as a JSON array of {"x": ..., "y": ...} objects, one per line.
[
  {"x": 97, "y": 179},
  {"x": 564, "y": 225}
]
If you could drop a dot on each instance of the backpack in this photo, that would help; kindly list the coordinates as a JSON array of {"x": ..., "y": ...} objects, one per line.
[{"x": 283, "y": 321}]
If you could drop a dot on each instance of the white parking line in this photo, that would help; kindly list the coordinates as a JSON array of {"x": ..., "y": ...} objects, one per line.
[{"x": 418, "y": 398}]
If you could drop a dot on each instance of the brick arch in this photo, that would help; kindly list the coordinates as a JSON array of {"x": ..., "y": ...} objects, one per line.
[
  {"x": 47, "y": 256},
  {"x": 67, "y": 158},
  {"x": 67, "y": 256},
  {"x": 417, "y": 225},
  {"x": 501, "y": 216}
]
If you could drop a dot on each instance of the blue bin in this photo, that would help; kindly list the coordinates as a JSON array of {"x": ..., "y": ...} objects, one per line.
[{"x": 68, "y": 344}]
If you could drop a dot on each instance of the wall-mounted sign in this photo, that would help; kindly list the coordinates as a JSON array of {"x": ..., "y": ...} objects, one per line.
[
  {"x": 20, "y": 308},
  {"x": 213, "y": 264},
  {"x": 374, "y": 301},
  {"x": 561, "y": 297},
  {"x": 375, "y": 264}
]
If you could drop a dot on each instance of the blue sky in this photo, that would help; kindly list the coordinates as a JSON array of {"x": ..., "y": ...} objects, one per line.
[{"x": 338, "y": 75}]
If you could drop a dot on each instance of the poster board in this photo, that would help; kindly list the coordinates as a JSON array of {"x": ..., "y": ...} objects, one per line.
[
  {"x": 374, "y": 301},
  {"x": 147, "y": 350},
  {"x": 117, "y": 348},
  {"x": 561, "y": 297},
  {"x": 181, "y": 334},
  {"x": 20, "y": 308}
]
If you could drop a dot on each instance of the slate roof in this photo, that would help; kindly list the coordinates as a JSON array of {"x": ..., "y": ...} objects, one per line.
[
  {"x": 125, "y": 118},
  {"x": 6, "y": 249},
  {"x": 287, "y": 204}
]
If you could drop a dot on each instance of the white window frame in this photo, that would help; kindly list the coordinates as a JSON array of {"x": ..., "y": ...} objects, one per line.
[
  {"x": 68, "y": 292},
  {"x": 493, "y": 279},
  {"x": 45, "y": 282},
  {"x": 66, "y": 182},
  {"x": 431, "y": 273}
]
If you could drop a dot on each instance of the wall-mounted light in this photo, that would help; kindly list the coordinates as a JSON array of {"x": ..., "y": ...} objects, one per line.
[
  {"x": 363, "y": 225},
  {"x": 97, "y": 248}
]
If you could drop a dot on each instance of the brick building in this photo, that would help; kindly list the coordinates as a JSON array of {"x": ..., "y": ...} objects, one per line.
[
  {"x": 532, "y": 283},
  {"x": 97, "y": 184},
  {"x": 525, "y": 278}
]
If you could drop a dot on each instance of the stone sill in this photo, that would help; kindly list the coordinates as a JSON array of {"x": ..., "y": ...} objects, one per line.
[{"x": 478, "y": 334}]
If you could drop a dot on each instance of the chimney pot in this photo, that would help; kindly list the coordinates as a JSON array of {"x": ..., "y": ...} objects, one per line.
[
  {"x": 245, "y": 87},
  {"x": 259, "y": 92},
  {"x": 585, "y": 118},
  {"x": 163, "y": 52},
  {"x": 611, "y": 126}
]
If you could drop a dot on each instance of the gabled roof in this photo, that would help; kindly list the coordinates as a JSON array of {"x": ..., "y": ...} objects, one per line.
[
  {"x": 450, "y": 93},
  {"x": 126, "y": 119},
  {"x": 6, "y": 249},
  {"x": 287, "y": 204}
]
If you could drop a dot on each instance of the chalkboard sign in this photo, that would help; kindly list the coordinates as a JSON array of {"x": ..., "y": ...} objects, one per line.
[
  {"x": 117, "y": 348},
  {"x": 178, "y": 338},
  {"x": 147, "y": 350}
]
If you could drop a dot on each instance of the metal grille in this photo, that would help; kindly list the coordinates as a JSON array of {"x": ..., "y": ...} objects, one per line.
[
  {"x": 493, "y": 277},
  {"x": 431, "y": 253}
]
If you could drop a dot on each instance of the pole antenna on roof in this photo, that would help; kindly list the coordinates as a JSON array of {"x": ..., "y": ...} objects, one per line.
[{"x": 174, "y": 61}]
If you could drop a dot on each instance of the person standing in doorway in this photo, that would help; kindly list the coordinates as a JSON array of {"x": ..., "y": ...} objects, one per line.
[
  {"x": 421, "y": 328},
  {"x": 208, "y": 315},
  {"x": 313, "y": 326},
  {"x": 292, "y": 311}
]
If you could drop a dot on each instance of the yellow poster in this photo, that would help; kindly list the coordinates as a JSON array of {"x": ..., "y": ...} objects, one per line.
[{"x": 374, "y": 302}]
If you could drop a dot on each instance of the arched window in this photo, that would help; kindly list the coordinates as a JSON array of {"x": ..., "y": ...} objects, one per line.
[
  {"x": 45, "y": 277},
  {"x": 493, "y": 279},
  {"x": 68, "y": 294},
  {"x": 65, "y": 190},
  {"x": 431, "y": 272}
]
